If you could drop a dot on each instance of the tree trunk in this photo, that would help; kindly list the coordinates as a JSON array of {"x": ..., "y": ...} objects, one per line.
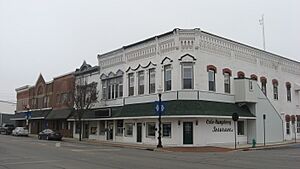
[{"x": 80, "y": 129}]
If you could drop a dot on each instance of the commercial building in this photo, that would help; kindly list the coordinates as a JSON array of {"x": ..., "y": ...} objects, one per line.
[
  {"x": 203, "y": 79},
  {"x": 46, "y": 105}
]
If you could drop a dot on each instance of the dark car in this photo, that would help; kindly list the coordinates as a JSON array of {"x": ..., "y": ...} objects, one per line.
[
  {"x": 49, "y": 134},
  {"x": 6, "y": 129}
]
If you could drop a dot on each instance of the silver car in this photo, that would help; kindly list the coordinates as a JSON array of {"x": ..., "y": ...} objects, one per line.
[{"x": 20, "y": 131}]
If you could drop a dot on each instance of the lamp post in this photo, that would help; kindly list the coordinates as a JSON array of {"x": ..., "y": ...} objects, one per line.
[{"x": 159, "y": 145}]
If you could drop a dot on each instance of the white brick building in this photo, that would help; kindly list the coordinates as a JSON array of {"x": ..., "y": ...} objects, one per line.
[{"x": 204, "y": 78}]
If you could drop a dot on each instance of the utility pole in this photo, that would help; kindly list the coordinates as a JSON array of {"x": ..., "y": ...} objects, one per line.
[{"x": 262, "y": 22}]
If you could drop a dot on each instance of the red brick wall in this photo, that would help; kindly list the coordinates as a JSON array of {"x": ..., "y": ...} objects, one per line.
[{"x": 63, "y": 88}]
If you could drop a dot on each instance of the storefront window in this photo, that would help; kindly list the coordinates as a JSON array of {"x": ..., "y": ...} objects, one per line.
[
  {"x": 120, "y": 127},
  {"x": 287, "y": 127},
  {"x": 241, "y": 127},
  {"x": 128, "y": 129},
  {"x": 166, "y": 129},
  {"x": 150, "y": 129},
  {"x": 93, "y": 130},
  {"x": 77, "y": 129},
  {"x": 298, "y": 126},
  {"x": 102, "y": 128}
]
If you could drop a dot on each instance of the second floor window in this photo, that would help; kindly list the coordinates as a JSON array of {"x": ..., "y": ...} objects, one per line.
[
  {"x": 264, "y": 85},
  {"x": 130, "y": 84},
  {"x": 187, "y": 76},
  {"x": 288, "y": 92},
  {"x": 112, "y": 88},
  {"x": 226, "y": 82},
  {"x": 151, "y": 80},
  {"x": 211, "y": 80},
  {"x": 141, "y": 84},
  {"x": 168, "y": 77},
  {"x": 275, "y": 90}
]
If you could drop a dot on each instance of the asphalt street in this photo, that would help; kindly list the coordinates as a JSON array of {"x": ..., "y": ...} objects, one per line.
[{"x": 30, "y": 153}]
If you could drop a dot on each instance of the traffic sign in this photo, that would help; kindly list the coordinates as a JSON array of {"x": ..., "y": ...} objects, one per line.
[
  {"x": 157, "y": 105},
  {"x": 28, "y": 115}
]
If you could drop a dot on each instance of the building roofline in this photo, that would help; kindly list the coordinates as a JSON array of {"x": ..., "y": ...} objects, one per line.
[
  {"x": 246, "y": 45},
  {"x": 26, "y": 87},
  {"x": 177, "y": 29},
  {"x": 138, "y": 42},
  {"x": 63, "y": 75}
]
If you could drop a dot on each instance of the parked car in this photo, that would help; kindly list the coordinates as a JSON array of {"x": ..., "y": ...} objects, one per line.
[
  {"x": 49, "y": 134},
  {"x": 20, "y": 131},
  {"x": 6, "y": 129}
]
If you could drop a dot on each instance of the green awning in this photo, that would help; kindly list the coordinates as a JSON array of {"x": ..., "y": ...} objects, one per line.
[
  {"x": 35, "y": 114},
  {"x": 183, "y": 107},
  {"x": 59, "y": 114},
  {"x": 94, "y": 113}
]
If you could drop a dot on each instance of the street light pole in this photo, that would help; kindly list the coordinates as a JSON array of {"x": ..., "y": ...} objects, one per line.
[{"x": 159, "y": 145}]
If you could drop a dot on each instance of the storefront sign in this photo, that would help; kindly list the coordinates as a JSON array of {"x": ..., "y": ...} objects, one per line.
[{"x": 220, "y": 125}]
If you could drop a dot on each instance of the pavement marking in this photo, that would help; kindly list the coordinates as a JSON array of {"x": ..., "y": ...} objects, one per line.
[{"x": 31, "y": 162}]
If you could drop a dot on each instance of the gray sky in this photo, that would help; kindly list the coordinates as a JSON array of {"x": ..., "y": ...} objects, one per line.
[{"x": 53, "y": 37}]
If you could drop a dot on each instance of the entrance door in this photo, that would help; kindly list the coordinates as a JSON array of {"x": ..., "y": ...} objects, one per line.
[
  {"x": 110, "y": 130},
  {"x": 86, "y": 131},
  {"x": 139, "y": 132},
  {"x": 187, "y": 132}
]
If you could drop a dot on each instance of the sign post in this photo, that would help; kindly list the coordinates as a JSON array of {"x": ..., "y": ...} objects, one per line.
[
  {"x": 264, "y": 120},
  {"x": 235, "y": 118},
  {"x": 159, "y": 108}
]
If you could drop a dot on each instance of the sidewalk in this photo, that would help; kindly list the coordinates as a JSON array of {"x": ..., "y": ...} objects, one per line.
[{"x": 212, "y": 148}]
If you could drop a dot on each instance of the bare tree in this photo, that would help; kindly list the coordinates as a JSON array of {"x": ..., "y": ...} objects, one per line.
[{"x": 85, "y": 96}]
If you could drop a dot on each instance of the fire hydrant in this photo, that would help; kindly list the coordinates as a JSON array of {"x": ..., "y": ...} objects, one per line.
[{"x": 253, "y": 143}]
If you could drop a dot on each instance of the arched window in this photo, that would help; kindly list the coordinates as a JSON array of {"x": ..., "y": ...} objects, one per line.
[
  {"x": 212, "y": 70},
  {"x": 241, "y": 75},
  {"x": 275, "y": 89},
  {"x": 253, "y": 77},
  {"x": 227, "y": 75},
  {"x": 263, "y": 81},
  {"x": 288, "y": 91}
]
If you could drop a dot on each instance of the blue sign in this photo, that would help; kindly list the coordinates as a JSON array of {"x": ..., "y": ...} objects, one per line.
[
  {"x": 28, "y": 115},
  {"x": 157, "y": 105}
]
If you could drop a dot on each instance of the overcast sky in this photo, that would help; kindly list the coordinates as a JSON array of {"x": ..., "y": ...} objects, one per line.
[{"x": 53, "y": 37}]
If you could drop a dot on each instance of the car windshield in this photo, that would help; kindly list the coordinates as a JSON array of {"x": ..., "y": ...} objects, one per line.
[{"x": 48, "y": 131}]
